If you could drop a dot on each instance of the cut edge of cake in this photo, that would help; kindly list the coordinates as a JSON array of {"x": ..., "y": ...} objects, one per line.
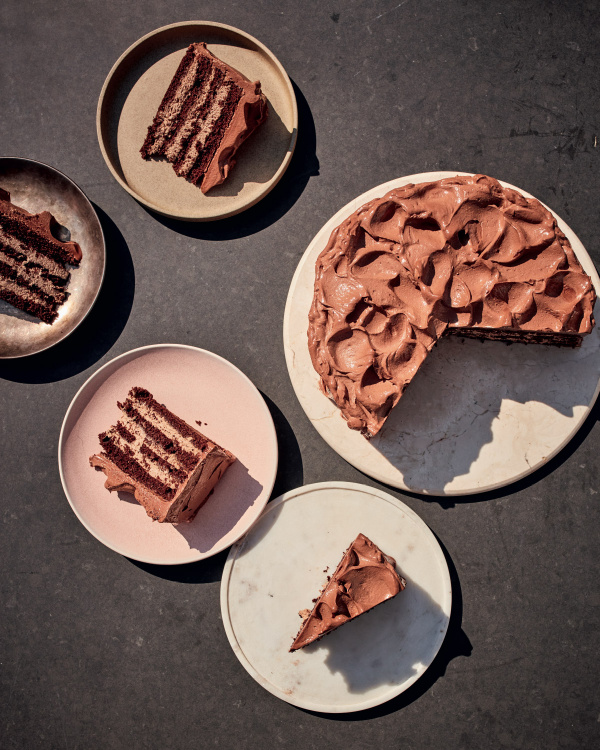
[
  {"x": 168, "y": 466},
  {"x": 33, "y": 262}
]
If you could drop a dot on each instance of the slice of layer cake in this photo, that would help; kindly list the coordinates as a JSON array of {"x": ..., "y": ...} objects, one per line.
[
  {"x": 364, "y": 578},
  {"x": 463, "y": 255},
  {"x": 168, "y": 466},
  {"x": 33, "y": 263},
  {"x": 207, "y": 113}
]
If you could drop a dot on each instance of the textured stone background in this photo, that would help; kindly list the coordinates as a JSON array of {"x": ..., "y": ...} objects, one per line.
[{"x": 99, "y": 652}]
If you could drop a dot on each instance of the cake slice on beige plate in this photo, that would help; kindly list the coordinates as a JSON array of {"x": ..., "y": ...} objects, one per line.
[{"x": 206, "y": 114}]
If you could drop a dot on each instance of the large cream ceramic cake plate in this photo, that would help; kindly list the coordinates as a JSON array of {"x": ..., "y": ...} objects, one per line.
[
  {"x": 280, "y": 566},
  {"x": 477, "y": 416}
]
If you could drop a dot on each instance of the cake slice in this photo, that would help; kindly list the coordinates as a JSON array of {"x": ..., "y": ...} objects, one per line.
[
  {"x": 206, "y": 114},
  {"x": 168, "y": 466},
  {"x": 364, "y": 578},
  {"x": 33, "y": 263}
]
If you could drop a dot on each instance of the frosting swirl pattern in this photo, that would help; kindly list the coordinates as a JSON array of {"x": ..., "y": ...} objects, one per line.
[{"x": 460, "y": 255}]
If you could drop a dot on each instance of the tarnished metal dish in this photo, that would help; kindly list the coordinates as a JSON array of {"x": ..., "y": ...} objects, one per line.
[{"x": 37, "y": 187}]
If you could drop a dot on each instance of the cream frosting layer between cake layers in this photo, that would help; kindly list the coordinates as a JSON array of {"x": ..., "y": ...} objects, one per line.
[
  {"x": 207, "y": 112},
  {"x": 461, "y": 255},
  {"x": 170, "y": 467}
]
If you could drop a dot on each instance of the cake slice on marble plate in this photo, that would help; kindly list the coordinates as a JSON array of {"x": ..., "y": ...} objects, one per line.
[{"x": 364, "y": 578}]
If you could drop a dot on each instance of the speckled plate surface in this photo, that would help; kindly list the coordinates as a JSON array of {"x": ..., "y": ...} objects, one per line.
[
  {"x": 37, "y": 187},
  {"x": 133, "y": 92},
  {"x": 477, "y": 416},
  {"x": 280, "y": 566},
  {"x": 196, "y": 385}
]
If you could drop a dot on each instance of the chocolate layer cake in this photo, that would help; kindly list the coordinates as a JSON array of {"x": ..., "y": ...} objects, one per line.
[
  {"x": 364, "y": 578},
  {"x": 207, "y": 113},
  {"x": 462, "y": 255},
  {"x": 168, "y": 466},
  {"x": 33, "y": 263}
]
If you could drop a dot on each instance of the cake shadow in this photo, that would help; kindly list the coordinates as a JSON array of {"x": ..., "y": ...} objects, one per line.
[
  {"x": 7, "y": 309},
  {"x": 450, "y": 501},
  {"x": 303, "y": 165},
  {"x": 251, "y": 164},
  {"x": 236, "y": 492},
  {"x": 449, "y": 415},
  {"x": 97, "y": 332},
  {"x": 357, "y": 637}
]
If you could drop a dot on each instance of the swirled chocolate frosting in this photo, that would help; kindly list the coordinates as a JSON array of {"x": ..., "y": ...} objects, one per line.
[
  {"x": 364, "y": 578},
  {"x": 461, "y": 255}
]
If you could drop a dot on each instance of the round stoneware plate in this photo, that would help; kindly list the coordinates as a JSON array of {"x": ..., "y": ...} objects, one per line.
[
  {"x": 36, "y": 187},
  {"x": 280, "y": 566},
  {"x": 477, "y": 415},
  {"x": 195, "y": 385},
  {"x": 133, "y": 92}
]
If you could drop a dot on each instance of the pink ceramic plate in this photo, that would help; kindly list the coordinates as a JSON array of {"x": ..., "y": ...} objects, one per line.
[{"x": 196, "y": 385}]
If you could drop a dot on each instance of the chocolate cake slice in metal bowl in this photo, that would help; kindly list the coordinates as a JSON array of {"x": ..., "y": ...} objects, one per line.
[{"x": 67, "y": 214}]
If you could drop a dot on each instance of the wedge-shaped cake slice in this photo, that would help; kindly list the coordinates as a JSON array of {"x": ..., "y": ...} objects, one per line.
[
  {"x": 364, "y": 578},
  {"x": 168, "y": 466},
  {"x": 206, "y": 114}
]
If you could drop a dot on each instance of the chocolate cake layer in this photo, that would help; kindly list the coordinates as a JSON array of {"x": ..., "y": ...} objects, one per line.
[
  {"x": 461, "y": 255},
  {"x": 207, "y": 112},
  {"x": 33, "y": 263},
  {"x": 364, "y": 578},
  {"x": 168, "y": 466}
]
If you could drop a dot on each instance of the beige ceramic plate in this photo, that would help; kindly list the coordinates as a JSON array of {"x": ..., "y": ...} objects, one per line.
[
  {"x": 37, "y": 187},
  {"x": 132, "y": 94}
]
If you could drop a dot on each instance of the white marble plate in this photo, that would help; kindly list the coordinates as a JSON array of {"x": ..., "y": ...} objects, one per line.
[
  {"x": 279, "y": 567},
  {"x": 478, "y": 415}
]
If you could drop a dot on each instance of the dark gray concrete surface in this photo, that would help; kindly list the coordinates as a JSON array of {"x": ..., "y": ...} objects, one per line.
[{"x": 99, "y": 652}]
